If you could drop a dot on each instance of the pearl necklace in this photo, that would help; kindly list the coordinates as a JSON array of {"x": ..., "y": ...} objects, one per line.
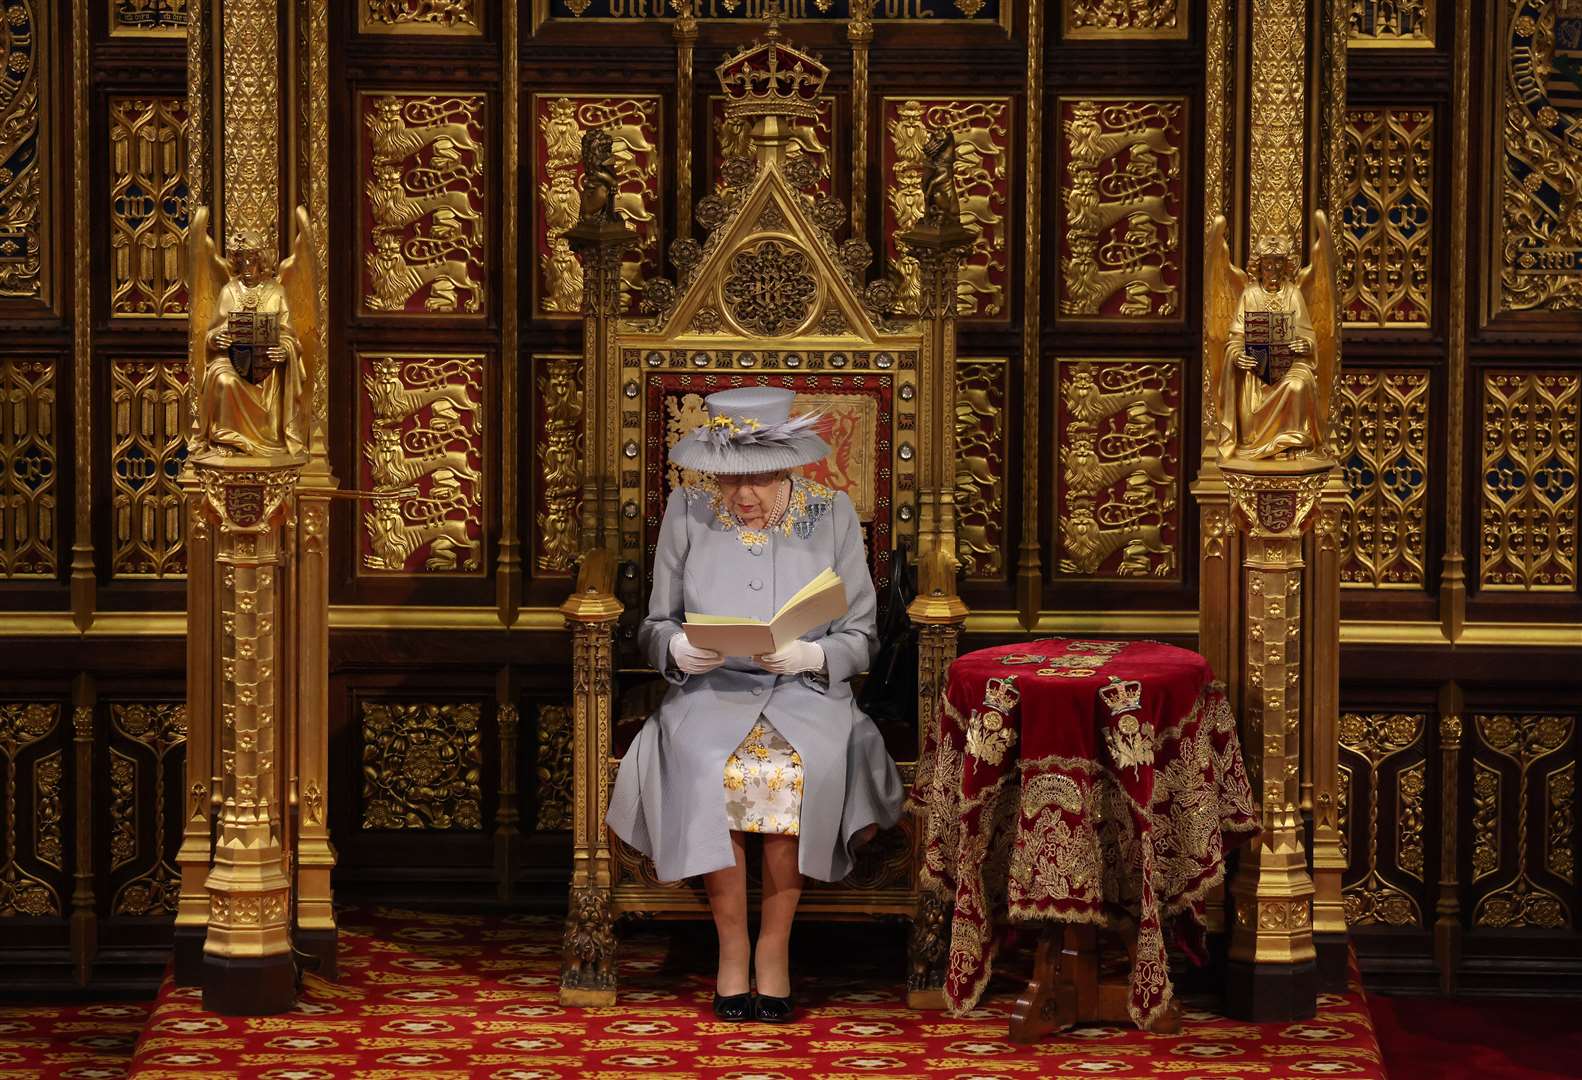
[{"x": 755, "y": 537}]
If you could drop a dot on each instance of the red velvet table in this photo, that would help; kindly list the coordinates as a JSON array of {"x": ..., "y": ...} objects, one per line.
[{"x": 1096, "y": 783}]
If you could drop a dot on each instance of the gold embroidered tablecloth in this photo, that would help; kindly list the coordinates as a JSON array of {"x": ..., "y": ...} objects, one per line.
[{"x": 1080, "y": 781}]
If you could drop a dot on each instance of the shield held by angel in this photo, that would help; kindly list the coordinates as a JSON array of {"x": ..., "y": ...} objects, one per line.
[
  {"x": 253, "y": 337},
  {"x": 1272, "y": 347}
]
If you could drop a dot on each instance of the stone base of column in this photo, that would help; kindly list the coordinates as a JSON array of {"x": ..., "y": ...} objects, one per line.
[
  {"x": 189, "y": 954},
  {"x": 249, "y": 985},
  {"x": 1334, "y": 961},
  {"x": 1264, "y": 992},
  {"x": 322, "y": 946}
]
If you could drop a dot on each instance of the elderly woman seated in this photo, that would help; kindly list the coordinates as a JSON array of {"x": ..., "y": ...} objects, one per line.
[{"x": 771, "y": 744}]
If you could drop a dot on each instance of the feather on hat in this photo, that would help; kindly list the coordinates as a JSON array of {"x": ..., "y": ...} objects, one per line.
[{"x": 751, "y": 430}]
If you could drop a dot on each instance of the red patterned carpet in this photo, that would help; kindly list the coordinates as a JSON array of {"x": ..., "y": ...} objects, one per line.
[
  {"x": 70, "y": 1042},
  {"x": 437, "y": 996}
]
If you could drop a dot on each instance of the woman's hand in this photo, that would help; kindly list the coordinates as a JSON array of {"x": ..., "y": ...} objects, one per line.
[
  {"x": 691, "y": 659},
  {"x": 793, "y": 658}
]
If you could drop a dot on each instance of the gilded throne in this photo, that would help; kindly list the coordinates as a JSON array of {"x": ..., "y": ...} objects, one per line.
[{"x": 772, "y": 296}]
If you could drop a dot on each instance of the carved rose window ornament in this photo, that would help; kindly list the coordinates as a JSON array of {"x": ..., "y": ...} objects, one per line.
[{"x": 770, "y": 289}]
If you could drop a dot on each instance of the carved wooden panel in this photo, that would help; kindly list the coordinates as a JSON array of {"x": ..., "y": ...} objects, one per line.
[
  {"x": 1122, "y": 192},
  {"x": 24, "y": 151},
  {"x": 1537, "y": 245},
  {"x": 149, "y": 207},
  {"x": 559, "y": 120},
  {"x": 29, "y": 462},
  {"x": 1124, "y": 19},
  {"x": 1391, "y": 23},
  {"x": 459, "y": 17},
  {"x": 985, "y": 179},
  {"x": 148, "y": 446},
  {"x": 423, "y": 205},
  {"x": 1117, "y": 501},
  {"x": 816, "y": 141},
  {"x": 421, "y": 765},
  {"x": 1384, "y": 772},
  {"x": 555, "y": 785},
  {"x": 147, "y": 747},
  {"x": 421, "y": 426},
  {"x": 1523, "y": 820},
  {"x": 1380, "y": 430},
  {"x": 1384, "y": 242},
  {"x": 1528, "y": 499},
  {"x": 149, "y": 18},
  {"x": 557, "y": 448},
  {"x": 982, "y": 385},
  {"x": 30, "y": 878}
]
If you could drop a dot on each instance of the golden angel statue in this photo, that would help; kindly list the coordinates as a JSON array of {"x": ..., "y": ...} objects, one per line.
[
  {"x": 1272, "y": 347},
  {"x": 255, "y": 335}
]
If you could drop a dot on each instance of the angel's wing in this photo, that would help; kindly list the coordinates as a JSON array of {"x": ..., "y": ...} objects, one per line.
[
  {"x": 1225, "y": 283},
  {"x": 1317, "y": 283},
  {"x": 299, "y": 278},
  {"x": 207, "y": 274}
]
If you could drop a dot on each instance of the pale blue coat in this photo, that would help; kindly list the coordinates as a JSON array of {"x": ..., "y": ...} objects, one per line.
[{"x": 669, "y": 798}]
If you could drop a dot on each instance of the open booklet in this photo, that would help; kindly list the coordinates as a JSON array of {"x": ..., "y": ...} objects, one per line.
[{"x": 820, "y": 601}]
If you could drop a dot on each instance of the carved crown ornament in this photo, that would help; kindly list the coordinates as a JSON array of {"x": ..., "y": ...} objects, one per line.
[{"x": 772, "y": 263}]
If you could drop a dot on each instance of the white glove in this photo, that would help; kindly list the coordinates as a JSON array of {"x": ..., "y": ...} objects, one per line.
[
  {"x": 691, "y": 659},
  {"x": 793, "y": 658}
]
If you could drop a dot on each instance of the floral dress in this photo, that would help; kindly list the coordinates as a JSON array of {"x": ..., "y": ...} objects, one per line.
[
  {"x": 763, "y": 783},
  {"x": 763, "y": 775}
]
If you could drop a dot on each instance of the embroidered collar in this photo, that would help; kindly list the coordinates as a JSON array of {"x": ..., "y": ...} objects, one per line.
[{"x": 809, "y": 501}]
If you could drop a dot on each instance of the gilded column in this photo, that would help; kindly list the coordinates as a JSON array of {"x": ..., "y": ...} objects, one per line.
[
  {"x": 247, "y": 961},
  {"x": 1453, "y": 576},
  {"x": 250, "y": 113},
  {"x": 315, "y": 928},
  {"x": 1029, "y": 564},
  {"x": 316, "y": 932},
  {"x": 1219, "y": 591},
  {"x": 1321, "y": 738},
  {"x": 1278, "y": 145},
  {"x": 685, "y": 29},
  {"x": 939, "y": 615},
  {"x": 1272, "y": 972},
  {"x": 859, "y": 31},
  {"x": 508, "y": 569},
  {"x": 194, "y": 856},
  {"x": 938, "y": 246},
  {"x": 587, "y": 974},
  {"x": 600, "y": 241},
  {"x": 84, "y": 583}
]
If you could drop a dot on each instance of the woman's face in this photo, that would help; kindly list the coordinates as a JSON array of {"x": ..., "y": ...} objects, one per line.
[{"x": 750, "y": 497}]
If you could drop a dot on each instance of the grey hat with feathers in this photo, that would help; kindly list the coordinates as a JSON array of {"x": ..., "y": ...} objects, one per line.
[{"x": 750, "y": 430}]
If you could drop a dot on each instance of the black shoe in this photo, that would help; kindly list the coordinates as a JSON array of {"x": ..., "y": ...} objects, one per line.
[
  {"x": 736, "y": 1008},
  {"x": 773, "y": 1010}
]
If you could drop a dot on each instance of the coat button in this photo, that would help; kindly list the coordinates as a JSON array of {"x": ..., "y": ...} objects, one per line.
[
  {"x": 756, "y": 583},
  {"x": 757, "y": 691}
]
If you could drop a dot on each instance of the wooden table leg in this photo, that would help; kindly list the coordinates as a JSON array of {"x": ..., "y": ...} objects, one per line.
[
  {"x": 1049, "y": 1003},
  {"x": 1067, "y": 987}
]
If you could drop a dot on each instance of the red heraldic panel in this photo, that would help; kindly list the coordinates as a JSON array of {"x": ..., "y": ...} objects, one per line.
[
  {"x": 1122, "y": 194},
  {"x": 423, "y": 451},
  {"x": 424, "y": 199},
  {"x": 984, "y": 179},
  {"x": 1118, "y": 504},
  {"x": 559, "y": 121}
]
